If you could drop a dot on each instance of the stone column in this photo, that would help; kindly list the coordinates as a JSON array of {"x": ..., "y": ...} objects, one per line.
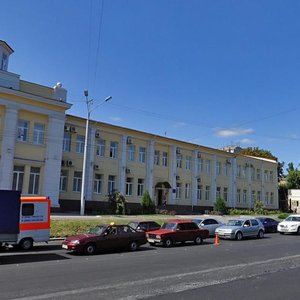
[
  {"x": 122, "y": 164},
  {"x": 149, "y": 168}
]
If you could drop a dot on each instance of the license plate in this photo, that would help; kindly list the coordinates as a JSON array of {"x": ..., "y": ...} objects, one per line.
[
  {"x": 151, "y": 240},
  {"x": 65, "y": 246}
]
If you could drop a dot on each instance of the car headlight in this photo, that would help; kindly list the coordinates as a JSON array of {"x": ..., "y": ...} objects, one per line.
[
  {"x": 158, "y": 237},
  {"x": 75, "y": 242}
]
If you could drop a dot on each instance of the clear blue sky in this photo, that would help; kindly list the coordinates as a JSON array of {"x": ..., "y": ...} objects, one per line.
[{"x": 210, "y": 72}]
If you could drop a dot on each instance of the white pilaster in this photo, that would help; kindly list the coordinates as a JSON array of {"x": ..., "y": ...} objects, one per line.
[
  {"x": 53, "y": 157},
  {"x": 90, "y": 165},
  {"x": 122, "y": 165},
  {"x": 194, "y": 177},
  {"x": 150, "y": 167},
  {"x": 8, "y": 148},
  {"x": 172, "y": 174},
  {"x": 213, "y": 178},
  {"x": 232, "y": 183}
]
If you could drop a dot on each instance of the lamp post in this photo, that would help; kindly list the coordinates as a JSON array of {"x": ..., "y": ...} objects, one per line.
[{"x": 89, "y": 104}]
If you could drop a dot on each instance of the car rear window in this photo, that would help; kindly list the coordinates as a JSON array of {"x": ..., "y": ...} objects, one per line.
[{"x": 169, "y": 226}]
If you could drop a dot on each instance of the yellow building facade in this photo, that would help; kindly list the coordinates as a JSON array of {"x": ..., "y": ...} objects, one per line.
[{"x": 42, "y": 153}]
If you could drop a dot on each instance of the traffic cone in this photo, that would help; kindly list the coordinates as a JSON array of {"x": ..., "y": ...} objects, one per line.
[{"x": 217, "y": 242}]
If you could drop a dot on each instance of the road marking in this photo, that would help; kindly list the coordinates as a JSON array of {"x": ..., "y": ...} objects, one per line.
[{"x": 174, "y": 283}]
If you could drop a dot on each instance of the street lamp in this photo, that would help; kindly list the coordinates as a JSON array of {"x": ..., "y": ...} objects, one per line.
[{"x": 89, "y": 104}]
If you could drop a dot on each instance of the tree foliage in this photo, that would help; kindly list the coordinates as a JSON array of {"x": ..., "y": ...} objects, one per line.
[
  {"x": 293, "y": 179},
  {"x": 147, "y": 204},
  {"x": 220, "y": 206},
  {"x": 255, "y": 151},
  {"x": 117, "y": 203},
  {"x": 258, "y": 207}
]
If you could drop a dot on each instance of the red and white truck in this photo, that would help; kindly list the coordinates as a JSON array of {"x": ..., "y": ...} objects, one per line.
[{"x": 23, "y": 220}]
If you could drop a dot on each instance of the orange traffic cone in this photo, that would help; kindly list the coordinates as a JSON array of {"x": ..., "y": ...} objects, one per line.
[{"x": 217, "y": 242}]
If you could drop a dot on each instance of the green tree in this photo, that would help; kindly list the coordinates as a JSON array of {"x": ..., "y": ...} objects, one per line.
[
  {"x": 293, "y": 179},
  {"x": 258, "y": 153},
  {"x": 117, "y": 202},
  {"x": 258, "y": 207},
  {"x": 147, "y": 204},
  {"x": 220, "y": 206}
]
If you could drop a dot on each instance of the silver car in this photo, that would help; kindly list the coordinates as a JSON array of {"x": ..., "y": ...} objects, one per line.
[
  {"x": 241, "y": 227},
  {"x": 209, "y": 223}
]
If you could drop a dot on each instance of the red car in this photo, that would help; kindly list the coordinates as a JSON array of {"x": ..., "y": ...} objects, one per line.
[
  {"x": 177, "y": 231},
  {"x": 105, "y": 237}
]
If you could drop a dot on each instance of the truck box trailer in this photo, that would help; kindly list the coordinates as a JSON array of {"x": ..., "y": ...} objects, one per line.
[{"x": 23, "y": 220}]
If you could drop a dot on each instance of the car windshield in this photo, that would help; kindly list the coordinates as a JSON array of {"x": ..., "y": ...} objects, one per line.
[
  {"x": 169, "y": 226},
  {"x": 235, "y": 223},
  {"x": 291, "y": 219},
  {"x": 198, "y": 221},
  {"x": 133, "y": 224},
  {"x": 97, "y": 230}
]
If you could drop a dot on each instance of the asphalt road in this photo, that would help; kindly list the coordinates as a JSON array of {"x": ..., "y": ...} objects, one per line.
[{"x": 249, "y": 269}]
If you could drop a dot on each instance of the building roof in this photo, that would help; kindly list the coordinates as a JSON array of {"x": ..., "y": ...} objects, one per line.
[{"x": 6, "y": 46}]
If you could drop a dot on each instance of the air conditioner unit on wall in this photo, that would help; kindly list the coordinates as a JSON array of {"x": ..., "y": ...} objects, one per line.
[
  {"x": 96, "y": 167},
  {"x": 178, "y": 151},
  {"x": 127, "y": 171},
  {"x": 70, "y": 163},
  {"x": 73, "y": 129},
  {"x": 177, "y": 177},
  {"x": 67, "y": 128},
  {"x": 129, "y": 140},
  {"x": 63, "y": 163},
  {"x": 199, "y": 155},
  {"x": 97, "y": 134},
  {"x": 198, "y": 179}
]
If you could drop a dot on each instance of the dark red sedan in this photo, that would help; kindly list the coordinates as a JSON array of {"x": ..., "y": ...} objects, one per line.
[
  {"x": 105, "y": 237},
  {"x": 177, "y": 231}
]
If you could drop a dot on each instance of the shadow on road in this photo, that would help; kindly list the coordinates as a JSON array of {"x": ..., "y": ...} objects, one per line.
[{"x": 29, "y": 258}]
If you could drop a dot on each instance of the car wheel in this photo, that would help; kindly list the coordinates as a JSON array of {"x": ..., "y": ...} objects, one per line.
[
  {"x": 26, "y": 244},
  {"x": 198, "y": 240},
  {"x": 239, "y": 236},
  {"x": 260, "y": 234},
  {"x": 133, "y": 246},
  {"x": 281, "y": 232},
  {"x": 168, "y": 243},
  {"x": 90, "y": 249}
]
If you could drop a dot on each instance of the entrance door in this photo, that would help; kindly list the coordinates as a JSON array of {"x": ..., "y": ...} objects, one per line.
[{"x": 159, "y": 197}]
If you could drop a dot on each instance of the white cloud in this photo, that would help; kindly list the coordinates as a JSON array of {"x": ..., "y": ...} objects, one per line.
[
  {"x": 246, "y": 141},
  {"x": 179, "y": 124},
  {"x": 229, "y": 132},
  {"x": 116, "y": 119}
]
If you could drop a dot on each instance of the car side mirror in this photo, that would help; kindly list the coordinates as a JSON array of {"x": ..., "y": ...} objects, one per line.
[{"x": 201, "y": 224}]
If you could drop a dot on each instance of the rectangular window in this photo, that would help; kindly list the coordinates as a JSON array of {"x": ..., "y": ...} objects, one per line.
[
  {"x": 218, "y": 168},
  {"x": 271, "y": 176},
  {"x": 271, "y": 198},
  {"x": 98, "y": 184},
  {"x": 244, "y": 196},
  {"x": 156, "y": 157},
  {"x": 200, "y": 165},
  {"x": 140, "y": 187},
  {"x": 18, "y": 177},
  {"x": 243, "y": 172},
  {"x": 165, "y": 159},
  {"x": 207, "y": 193},
  {"x": 38, "y": 134},
  {"x": 252, "y": 171},
  {"x": 111, "y": 184},
  {"x": 238, "y": 171},
  {"x": 238, "y": 196},
  {"x": 258, "y": 177},
  {"x": 23, "y": 128},
  {"x": 266, "y": 175},
  {"x": 178, "y": 160},
  {"x": 100, "y": 148},
  {"x": 77, "y": 180},
  {"x": 34, "y": 179},
  {"x": 199, "y": 192},
  {"x": 225, "y": 194},
  {"x": 188, "y": 162},
  {"x": 67, "y": 142},
  {"x": 142, "y": 155},
  {"x": 113, "y": 151},
  {"x": 259, "y": 195},
  {"x": 130, "y": 152},
  {"x": 27, "y": 209},
  {"x": 128, "y": 186},
  {"x": 187, "y": 190},
  {"x": 178, "y": 190},
  {"x": 80, "y": 143},
  {"x": 218, "y": 192},
  {"x": 267, "y": 198},
  {"x": 63, "y": 181},
  {"x": 225, "y": 169},
  {"x": 207, "y": 166}
]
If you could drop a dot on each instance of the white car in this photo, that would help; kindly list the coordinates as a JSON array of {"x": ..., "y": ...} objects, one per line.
[
  {"x": 290, "y": 225},
  {"x": 209, "y": 223}
]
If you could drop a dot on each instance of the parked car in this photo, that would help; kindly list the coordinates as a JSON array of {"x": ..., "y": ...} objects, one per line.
[
  {"x": 240, "y": 228},
  {"x": 177, "y": 231},
  {"x": 105, "y": 237},
  {"x": 270, "y": 224},
  {"x": 144, "y": 225},
  {"x": 290, "y": 225},
  {"x": 210, "y": 224}
]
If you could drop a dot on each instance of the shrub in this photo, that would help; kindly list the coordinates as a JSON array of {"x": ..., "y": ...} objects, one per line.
[
  {"x": 147, "y": 204},
  {"x": 258, "y": 207},
  {"x": 117, "y": 203},
  {"x": 220, "y": 206},
  {"x": 283, "y": 216}
]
